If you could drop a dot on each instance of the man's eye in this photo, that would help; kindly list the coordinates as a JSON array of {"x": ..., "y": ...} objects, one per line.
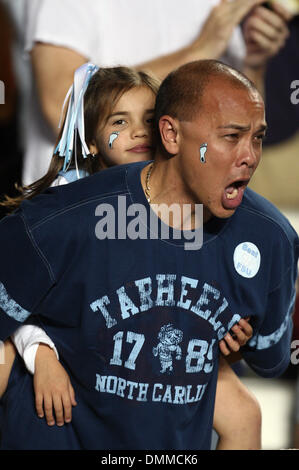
[
  {"x": 232, "y": 136},
  {"x": 259, "y": 138}
]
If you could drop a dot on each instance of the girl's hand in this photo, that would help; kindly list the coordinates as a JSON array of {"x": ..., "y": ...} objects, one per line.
[
  {"x": 242, "y": 332},
  {"x": 53, "y": 389}
]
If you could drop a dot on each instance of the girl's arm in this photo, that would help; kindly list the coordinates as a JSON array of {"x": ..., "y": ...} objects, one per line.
[
  {"x": 52, "y": 385},
  {"x": 7, "y": 357},
  {"x": 237, "y": 414},
  {"x": 27, "y": 339},
  {"x": 54, "y": 394}
]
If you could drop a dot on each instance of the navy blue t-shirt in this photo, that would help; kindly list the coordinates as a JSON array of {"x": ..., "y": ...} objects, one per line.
[{"x": 137, "y": 322}]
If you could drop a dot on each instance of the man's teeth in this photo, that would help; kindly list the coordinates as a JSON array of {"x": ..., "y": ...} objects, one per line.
[{"x": 233, "y": 194}]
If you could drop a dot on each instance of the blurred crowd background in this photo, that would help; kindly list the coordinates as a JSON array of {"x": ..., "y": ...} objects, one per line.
[{"x": 276, "y": 178}]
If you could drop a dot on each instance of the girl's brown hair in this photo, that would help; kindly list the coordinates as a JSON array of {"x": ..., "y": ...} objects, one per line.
[{"x": 105, "y": 88}]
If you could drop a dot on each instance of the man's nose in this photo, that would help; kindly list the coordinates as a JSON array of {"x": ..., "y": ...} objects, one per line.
[{"x": 247, "y": 155}]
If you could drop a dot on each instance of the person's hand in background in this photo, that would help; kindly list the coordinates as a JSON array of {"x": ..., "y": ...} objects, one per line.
[
  {"x": 219, "y": 26},
  {"x": 265, "y": 32}
]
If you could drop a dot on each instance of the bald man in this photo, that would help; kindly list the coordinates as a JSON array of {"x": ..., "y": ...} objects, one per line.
[{"x": 135, "y": 299}]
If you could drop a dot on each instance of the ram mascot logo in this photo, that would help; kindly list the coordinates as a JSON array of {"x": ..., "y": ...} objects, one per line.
[{"x": 167, "y": 349}]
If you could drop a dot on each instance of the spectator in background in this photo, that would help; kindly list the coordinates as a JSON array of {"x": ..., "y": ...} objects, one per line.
[
  {"x": 10, "y": 157},
  {"x": 295, "y": 421},
  {"x": 62, "y": 35},
  {"x": 277, "y": 179}
]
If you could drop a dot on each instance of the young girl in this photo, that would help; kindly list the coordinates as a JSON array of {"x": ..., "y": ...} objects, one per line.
[{"x": 111, "y": 126}]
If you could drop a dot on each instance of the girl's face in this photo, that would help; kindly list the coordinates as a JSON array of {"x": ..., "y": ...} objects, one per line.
[{"x": 127, "y": 135}]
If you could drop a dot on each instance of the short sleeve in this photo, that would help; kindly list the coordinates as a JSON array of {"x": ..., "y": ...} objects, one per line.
[
  {"x": 268, "y": 352},
  {"x": 67, "y": 23},
  {"x": 25, "y": 276}
]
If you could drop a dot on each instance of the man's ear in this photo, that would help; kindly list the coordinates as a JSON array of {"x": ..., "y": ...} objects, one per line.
[{"x": 169, "y": 128}]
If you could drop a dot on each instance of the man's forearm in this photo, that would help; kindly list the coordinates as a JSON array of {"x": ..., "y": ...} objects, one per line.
[
  {"x": 53, "y": 69},
  {"x": 163, "y": 65}
]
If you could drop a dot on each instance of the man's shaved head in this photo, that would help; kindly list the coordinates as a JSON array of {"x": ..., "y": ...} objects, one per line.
[
  {"x": 180, "y": 94},
  {"x": 207, "y": 103}
]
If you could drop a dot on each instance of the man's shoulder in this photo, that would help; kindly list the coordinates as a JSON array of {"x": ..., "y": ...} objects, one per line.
[
  {"x": 104, "y": 185},
  {"x": 266, "y": 215}
]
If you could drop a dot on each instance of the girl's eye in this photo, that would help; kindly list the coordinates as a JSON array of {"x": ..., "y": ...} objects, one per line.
[
  {"x": 119, "y": 122},
  {"x": 150, "y": 120}
]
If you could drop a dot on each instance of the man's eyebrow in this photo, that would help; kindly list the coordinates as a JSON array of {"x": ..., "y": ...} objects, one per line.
[
  {"x": 263, "y": 128},
  {"x": 238, "y": 127}
]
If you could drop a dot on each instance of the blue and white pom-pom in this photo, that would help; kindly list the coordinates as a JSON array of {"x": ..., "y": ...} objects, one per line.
[{"x": 74, "y": 121}]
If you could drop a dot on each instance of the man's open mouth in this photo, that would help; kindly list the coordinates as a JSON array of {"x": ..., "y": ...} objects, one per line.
[
  {"x": 233, "y": 194},
  {"x": 233, "y": 189}
]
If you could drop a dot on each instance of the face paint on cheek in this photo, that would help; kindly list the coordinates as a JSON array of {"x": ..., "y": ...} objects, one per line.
[
  {"x": 203, "y": 149},
  {"x": 112, "y": 138}
]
